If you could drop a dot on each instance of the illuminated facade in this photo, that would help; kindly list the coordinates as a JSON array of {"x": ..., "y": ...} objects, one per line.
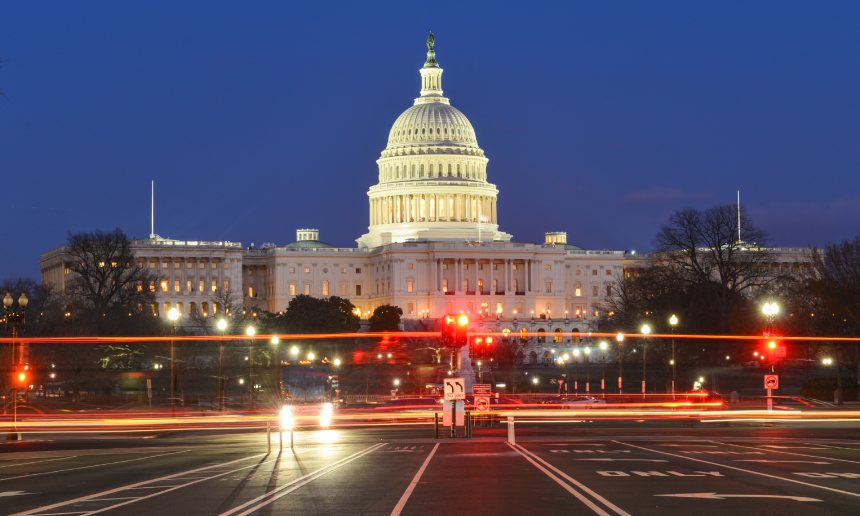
[{"x": 433, "y": 245}]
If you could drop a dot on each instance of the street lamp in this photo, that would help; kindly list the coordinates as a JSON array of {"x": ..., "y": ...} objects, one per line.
[
  {"x": 770, "y": 309},
  {"x": 221, "y": 325},
  {"x": 587, "y": 352},
  {"x": 673, "y": 321},
  {"x": 645, "y": 330},
  {"x": 603, "y": 345},
  {"x": 619, "y": 338},
  {"x": 14, "y": 318},
  {"x": 250, "y": 331},
  {"x": 173, "y": 316}
]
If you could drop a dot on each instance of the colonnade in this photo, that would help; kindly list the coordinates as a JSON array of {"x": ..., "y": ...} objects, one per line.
[
  {"x": 490, "y": 281},
  {"x": 452, "y": 207}
]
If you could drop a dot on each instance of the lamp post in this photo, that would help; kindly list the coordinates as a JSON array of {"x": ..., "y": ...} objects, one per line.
[
  {"x": 173, "y": 316},
  {"x": 276, "y": 357},
  {"x": 576, "y": 353},
  {"x": 587, "y": 352},
  {"x": 645, "y": 330},
  {"x": 770, "y": 309},
  {"x": 619, "y": 338},
  {"x": 603, "y": 345},
  {"x": 12, "y": 318},
  {"x": 222, "y": 327},
  {"x": 250, "y": 331},
  {"x": 673, "y": 321}
]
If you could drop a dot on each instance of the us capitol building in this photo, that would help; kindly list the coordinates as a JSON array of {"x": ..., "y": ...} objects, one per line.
[{"x": 433, "y": 245}]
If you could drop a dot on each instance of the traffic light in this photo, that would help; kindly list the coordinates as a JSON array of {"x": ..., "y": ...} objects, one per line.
[
  {"x": 461, "y": 332},
  {"x": 21, "y": 378},
  {"x": 482, "y": 347},
  {"x": 448, "y": 330}
]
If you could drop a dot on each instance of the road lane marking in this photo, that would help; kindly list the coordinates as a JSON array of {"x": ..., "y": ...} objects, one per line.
[
  {"x": 752, "y": 472},
  {"x": 540, "y": 463},
  {"x": 780, "y": 461},
  {"x": 37, "y": 461},
  {"x": 792, "y": 453},
  {"x": 91, "y": 466},
  {"x": 129, "y": 487},
  {"x": 285, "y": 489},
  {"x": 609, "y": 459},
  {"x": 717, "y": 496},
  {"x": 411, "y": 487},
  {"x": 14, "y": 493},
  {"x": 839, "y": 447}
]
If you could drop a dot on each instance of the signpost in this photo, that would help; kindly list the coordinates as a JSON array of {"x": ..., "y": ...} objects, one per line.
[
  {"x": 771, "y": 382},
  {"x": 455, "y": 389},
  {"x": 453, "y": 413},
  {"x": 482, "y": 404}
]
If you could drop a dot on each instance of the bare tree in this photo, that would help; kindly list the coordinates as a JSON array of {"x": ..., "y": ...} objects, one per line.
[
  {"x": 108, "y": 290},
  {"x": 704, "y": 249}
]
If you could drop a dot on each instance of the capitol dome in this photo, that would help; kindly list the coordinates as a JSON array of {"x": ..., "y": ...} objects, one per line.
[
  {"x": 433, "y": 122},
  {"x": 432, "y": 174}
]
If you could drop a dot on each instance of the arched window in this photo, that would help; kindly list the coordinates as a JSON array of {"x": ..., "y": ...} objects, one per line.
[
  {"x": 533, "y": 358},
  {"x": 558, "y": 338},
  {"x": 524, "y": 335},
  {"x": 576, "y": 335},
  {"x": 541, "y": 337}
]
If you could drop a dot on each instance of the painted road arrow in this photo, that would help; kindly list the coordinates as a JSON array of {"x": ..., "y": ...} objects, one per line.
[
  {"x": 608, "y": 459},
  {"x": 780, "y": 461},
  {"x": 715, "y": 496},
  {"x": 13, "y": 493}
]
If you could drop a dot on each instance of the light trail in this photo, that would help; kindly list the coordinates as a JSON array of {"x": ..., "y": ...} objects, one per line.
[
  {"x": 407, "y": 335},
  {"x": 703, "y": 412}
]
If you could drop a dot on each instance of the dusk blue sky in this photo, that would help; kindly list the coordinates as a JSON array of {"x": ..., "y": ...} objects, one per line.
[{"x": 256, "y": 118}]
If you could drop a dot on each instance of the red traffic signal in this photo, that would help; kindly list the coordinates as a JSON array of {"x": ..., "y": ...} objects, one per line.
[{"x": 21, "y": 378}]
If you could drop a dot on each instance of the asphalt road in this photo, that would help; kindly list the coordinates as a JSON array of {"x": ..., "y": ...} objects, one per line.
[{"x": 614, "y": 468}]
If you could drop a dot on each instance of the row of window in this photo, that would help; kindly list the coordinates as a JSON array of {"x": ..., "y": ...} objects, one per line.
[{"x": 164, "y": 286}]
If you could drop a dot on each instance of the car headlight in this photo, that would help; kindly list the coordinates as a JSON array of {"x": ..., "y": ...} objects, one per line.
[
  {"x": 326, "y": 412},
  {"x": 287, "y": 421}
]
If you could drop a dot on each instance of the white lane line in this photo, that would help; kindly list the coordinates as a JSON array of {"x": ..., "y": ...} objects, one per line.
[
  {"x": 838, "y": 447},
  {"x": 791, "y": 453},
  {"x": 411, "y": 487},
  {"x": 39, "y": 510},
  {"x": 751, "y": 472},
  {"x": 285, "y": 489},
  {"x": 768, "y": 461},
  {"x": 540, "y": 463},
  {"x": 91, "y": 466},
  {"x": 37, "y": 461},
  {"x": 579, "y": 496}
]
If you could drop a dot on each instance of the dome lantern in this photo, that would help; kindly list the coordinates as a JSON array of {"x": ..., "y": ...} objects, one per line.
[{"x": 431, "y": 76}]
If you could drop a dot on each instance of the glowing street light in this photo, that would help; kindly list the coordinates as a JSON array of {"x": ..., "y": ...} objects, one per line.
[
  {"x": 336, "y": 362},
  {"x": 221, "y": 325},
  {"x": 673, "y": 321},
  {"x": 827, "y": 361},
  {"x": 250, "y": 331},
  {"x": 173, "y": 316},
  {"x": 645, "y": 330},
  {"x": 619, "y": 338},
  {"x": 294, "y": 350},
  {"x": 770, "y": 309}
]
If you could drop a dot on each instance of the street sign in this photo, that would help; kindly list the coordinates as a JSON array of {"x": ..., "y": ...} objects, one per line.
[
  {"x": 482, "y": 404},
  {"x": 455, "y": 389},
  {"x": 459, "y": 411},
  {"x": 771, "y": 381},
  {"x": 482, "y": 389}
]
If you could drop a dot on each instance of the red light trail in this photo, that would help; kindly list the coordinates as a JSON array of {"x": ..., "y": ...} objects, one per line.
[{"x": 406, "y": 335}]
